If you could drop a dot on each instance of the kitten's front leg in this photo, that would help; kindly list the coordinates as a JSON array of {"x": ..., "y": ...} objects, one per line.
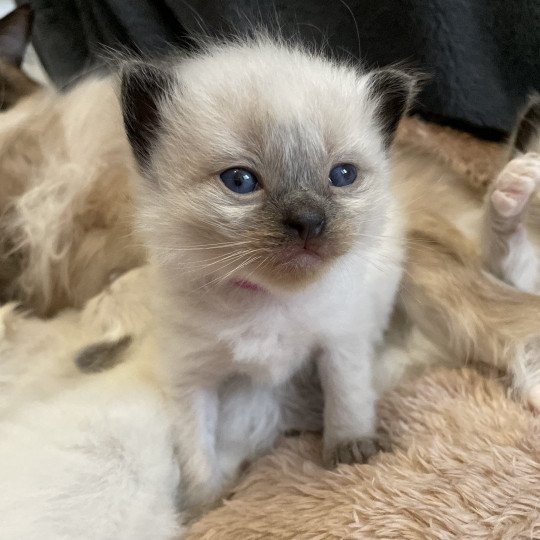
[
  {"x": 195, "y": 411},
  {"x": 349, "y": 402}
]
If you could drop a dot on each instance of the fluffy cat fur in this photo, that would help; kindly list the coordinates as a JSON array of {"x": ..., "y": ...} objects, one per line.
[
  {"x": 455, "y": 236},
  {"x": 446, "y": 294},
  {"x": 290, "y": 117},
  {"x": 87, "y": 210},
  {"x": 65, "y": 204},
  {"x": 85, "y": 456}
]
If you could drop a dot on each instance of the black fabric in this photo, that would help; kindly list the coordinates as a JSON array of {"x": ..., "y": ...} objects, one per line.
[{"x": 483, "y": 56}]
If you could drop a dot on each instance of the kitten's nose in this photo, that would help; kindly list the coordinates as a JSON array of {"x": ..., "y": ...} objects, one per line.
[{"x": 308, "y": 223}]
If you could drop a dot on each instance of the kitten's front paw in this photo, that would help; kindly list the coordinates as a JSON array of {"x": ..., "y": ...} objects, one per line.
[{"x": 349, "y": 452}]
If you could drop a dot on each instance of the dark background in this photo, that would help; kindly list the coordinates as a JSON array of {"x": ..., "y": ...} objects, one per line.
[{"x": 482, "y": 56}]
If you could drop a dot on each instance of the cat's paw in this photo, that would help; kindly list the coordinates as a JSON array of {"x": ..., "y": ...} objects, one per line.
[
  {"x": 349, "y": 452},
  {"x": 515, "y": 185}
]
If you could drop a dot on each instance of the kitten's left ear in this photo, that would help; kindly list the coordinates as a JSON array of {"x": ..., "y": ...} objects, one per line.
[
  {"x": 393, "y": 91},
  {"x": 144, "y": 86}
]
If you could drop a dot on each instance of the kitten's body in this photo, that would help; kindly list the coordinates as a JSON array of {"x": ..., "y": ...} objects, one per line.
[
  {"x": 456, "y": 235},
  {"x": 242, "y": 298}
]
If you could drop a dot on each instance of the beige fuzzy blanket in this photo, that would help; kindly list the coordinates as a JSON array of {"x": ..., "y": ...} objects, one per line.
[{"x": 465, "y": 462}]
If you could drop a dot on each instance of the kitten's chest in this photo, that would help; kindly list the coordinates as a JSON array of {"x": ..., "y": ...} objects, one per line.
[{"x": 270, "y": 345}]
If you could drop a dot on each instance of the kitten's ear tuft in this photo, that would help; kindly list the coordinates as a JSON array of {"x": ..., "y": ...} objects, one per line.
[
  {"x": 393, "y": 90},
  {"x": 15, "y": 30},
  {"x": 143, "y": 88},
  {"x": 528, "y": 126}
]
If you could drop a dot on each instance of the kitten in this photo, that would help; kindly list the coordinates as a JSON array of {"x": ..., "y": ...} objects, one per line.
[
  {"x": 455, "y": 238},
  {"x": 267, "y": 208},
  {"x": 15, "y": 30}
]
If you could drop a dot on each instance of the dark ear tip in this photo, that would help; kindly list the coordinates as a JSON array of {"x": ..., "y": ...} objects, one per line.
[
  {"x": 143, "y": 85},
  {"x": 15, "y": 31},
  {"x": 528, "y": 124},
  {"x": 396, "y": 82},
  {"x": 393, "y": 91}
]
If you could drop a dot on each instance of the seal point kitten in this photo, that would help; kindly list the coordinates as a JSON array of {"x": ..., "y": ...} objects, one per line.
[{"x": 266, "y": 205}]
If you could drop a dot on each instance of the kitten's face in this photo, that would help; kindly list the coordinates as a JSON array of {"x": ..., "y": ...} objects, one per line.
[{"x": 267, "y": 167}]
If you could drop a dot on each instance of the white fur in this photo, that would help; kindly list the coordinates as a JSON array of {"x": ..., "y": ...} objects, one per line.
[{"x": 84, "y": 456}]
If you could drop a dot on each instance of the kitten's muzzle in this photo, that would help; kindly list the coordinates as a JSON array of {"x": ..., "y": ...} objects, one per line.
[{"x": 306, "y": 223}]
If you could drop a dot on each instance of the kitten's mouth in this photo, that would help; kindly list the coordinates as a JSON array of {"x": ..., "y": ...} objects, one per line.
[{"x": 301, "y": 257}]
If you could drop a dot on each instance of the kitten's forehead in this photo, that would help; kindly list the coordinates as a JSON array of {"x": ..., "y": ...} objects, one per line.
[{"x": 264, "y": 96}]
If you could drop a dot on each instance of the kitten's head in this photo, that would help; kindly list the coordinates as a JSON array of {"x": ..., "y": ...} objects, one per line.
[
  {"x": 262, "y": 163},
  {"x": 15, "y": 30}
]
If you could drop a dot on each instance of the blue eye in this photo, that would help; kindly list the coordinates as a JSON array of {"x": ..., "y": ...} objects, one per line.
[
  {"x": 239, "y": 180},
  {"x": 342, "y": 175}
]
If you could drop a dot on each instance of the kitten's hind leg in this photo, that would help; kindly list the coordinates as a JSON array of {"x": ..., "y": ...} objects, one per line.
[{"x": 506, "y": 249}]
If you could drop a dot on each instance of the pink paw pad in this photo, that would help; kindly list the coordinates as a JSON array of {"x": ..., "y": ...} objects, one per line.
[
  {"x": 515, "y": 185},
  {"x": 510, "y": 200}
]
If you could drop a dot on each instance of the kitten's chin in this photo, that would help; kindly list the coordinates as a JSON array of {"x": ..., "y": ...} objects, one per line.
[{"x": 291, "y": 270}]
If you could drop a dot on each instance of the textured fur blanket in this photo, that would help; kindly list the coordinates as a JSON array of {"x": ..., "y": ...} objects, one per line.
[
  {"x": 465, "y": 464},
  {"x": 90, "y": 456}
]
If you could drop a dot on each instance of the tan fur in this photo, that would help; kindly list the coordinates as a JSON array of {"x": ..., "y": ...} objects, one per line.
[
  {"x": 66, "y": 198},
  {"x": 446, "y": 291},
  {"x": 460, "y": 307},
  {"x": 477, "y": 162},
  {"x": 465, "y": 465}
]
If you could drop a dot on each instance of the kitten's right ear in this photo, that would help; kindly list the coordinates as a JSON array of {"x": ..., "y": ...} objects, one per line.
[
  {"x": 15, "y": 30},
  {"x": 393, "y": 91},
  {"x": 143, "y": 88},
  {"x": 528, "y": 127}
]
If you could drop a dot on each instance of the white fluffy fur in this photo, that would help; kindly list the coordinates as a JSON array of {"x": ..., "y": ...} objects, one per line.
[{"x": 84, "y": 456}]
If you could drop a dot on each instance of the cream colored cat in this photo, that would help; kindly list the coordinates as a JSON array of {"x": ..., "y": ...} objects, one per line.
[{"x": 267, "y": 208}]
